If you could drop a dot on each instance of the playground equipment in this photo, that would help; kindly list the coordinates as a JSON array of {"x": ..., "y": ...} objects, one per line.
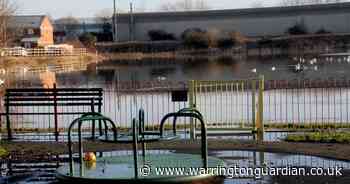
[
  {"x": 143, "y": 135},
  {"x": 132, "y": 169}
]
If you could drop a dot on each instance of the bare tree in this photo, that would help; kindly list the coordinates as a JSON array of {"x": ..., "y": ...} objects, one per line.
[
  {"x": 7, "y": 9},
  {"x": 185, "y": 5},
  {"x": 307, "y": 2}
]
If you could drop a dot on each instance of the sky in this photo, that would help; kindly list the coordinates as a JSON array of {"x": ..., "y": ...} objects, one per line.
[{"x": 89, "y": 8}]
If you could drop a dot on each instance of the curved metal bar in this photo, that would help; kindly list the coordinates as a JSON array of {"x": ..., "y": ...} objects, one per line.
[
  {"x": 204, "y": 141},
  {"x": 91, "y": 114},
  {"x": 135, "y": 151},
  {"x": 96, "y": 114},
  {"x": 81, "y": 151},
  {"x": 85, "y": 117},
  {"x": 141, "y": 121},
  {"x": 185, "y": 110},
  {"x": 70, "y": 149},
  {"x": 142, "y": 131}
]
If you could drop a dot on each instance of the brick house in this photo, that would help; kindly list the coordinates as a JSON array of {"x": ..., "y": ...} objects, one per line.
[{"x": 31, "y": 31}]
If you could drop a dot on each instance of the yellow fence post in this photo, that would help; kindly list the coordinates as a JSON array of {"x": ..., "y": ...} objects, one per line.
[
  {"x": 260, "y": 113},
  {"x": 192, "y": 104},
  {"x": 253, "y": 105}
]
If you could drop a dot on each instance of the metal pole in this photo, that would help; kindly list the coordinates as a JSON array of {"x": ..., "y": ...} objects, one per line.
[
  {"x": 93, "y": 121},
  {"x": 192, "y": 104},
  {"x": 253, "y": 106},
  {"x": 8, "y": 123},
  {"x": 260, "y": 110},
  {"x": 135, "y": 137},
  {"x": 81, "y": 151},
  {"x": 100, "y": 111},
  {"x": 131, "y": 24},
  {"x": 55, "y": 111},
  {"x": 114, "y": 22}
]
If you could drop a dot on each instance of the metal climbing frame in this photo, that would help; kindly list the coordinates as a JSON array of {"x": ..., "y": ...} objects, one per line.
[
  {"x": 136, "y": 128},
  {"x": 194, "y": 115},
  {"x": 235, "y": 105},
  {"x": 89, "y": 117}
]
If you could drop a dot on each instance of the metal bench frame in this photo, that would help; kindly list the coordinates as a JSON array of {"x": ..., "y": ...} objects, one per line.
[{"x": 53, "y": 97}]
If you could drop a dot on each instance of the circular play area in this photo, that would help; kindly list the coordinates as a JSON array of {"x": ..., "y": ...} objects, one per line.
[
  {"x": 120, "y": 169},
  {"x": 140, "y": 166}
]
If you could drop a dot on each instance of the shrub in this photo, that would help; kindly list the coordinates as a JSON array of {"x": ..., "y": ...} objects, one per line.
[
  {"x": 297, "y": 29},
  {"x": 3, "y": 152},
  {"x": 157, "y": 35},
  {"x": 88, "y": 40},
  {"x": 187, "y": 32},
  {"x": 196, "y": 38},
  {"x": 322, "y": 31},
  {"x": 197, "y": 41}
]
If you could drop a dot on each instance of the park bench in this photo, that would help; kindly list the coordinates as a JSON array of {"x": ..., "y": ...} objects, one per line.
[{"x": 51, "y": 98}]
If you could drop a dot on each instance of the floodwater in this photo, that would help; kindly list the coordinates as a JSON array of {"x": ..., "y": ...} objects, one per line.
[
  {"x": 44, "y": 173},
  {"x": 220, "y": 108},
  {"x": 216, "y": 68}
]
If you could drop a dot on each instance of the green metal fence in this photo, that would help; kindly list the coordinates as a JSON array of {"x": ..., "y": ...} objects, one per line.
[{"x": 235, "y": 105}]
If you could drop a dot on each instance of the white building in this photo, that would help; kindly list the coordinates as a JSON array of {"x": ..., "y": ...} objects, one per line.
[{"x": 250, "y": 22}]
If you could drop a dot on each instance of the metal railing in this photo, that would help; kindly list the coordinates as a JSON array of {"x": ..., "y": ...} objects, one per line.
[
  {"x": 295, "y": 105},
  {"x": 41, "y": 52},
  {"x": 120, "y": 103},
  {"x": 236, "y": 104}
]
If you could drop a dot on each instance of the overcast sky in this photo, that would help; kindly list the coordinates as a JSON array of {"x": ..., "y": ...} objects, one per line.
[{"x": 89, "y": 8}]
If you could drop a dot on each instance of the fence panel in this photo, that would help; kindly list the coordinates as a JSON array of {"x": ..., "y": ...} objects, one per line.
[
  {"x": 41, "y": 52},
  {"x": 307, "y": 104},
  {"x": 227, "y": 104}
]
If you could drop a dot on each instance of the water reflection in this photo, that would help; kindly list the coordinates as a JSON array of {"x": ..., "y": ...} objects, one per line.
[
  {"x": 225, "y": 68},
  {"x": 218, "y": 68}
]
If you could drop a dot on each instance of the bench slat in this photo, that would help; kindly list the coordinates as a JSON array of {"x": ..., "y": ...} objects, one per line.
[
  {"x": 50, "y": 94},
  {"x": 50, "y": 104},
  {"x": 17, "y": 99},
  {"x": 52, "y": 90},
  {"x": 43, "y": 113}
]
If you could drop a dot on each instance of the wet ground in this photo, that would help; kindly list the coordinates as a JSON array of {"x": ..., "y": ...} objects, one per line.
[
  {"x": 42, "y": 150},
  {"x": 34, "y": 172}
]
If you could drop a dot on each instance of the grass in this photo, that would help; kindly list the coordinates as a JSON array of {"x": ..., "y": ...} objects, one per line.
[
  {"x": 3, "y": 152},
  {"x": 320, "y": 137},
  {"x": 307, "y": 126}
]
